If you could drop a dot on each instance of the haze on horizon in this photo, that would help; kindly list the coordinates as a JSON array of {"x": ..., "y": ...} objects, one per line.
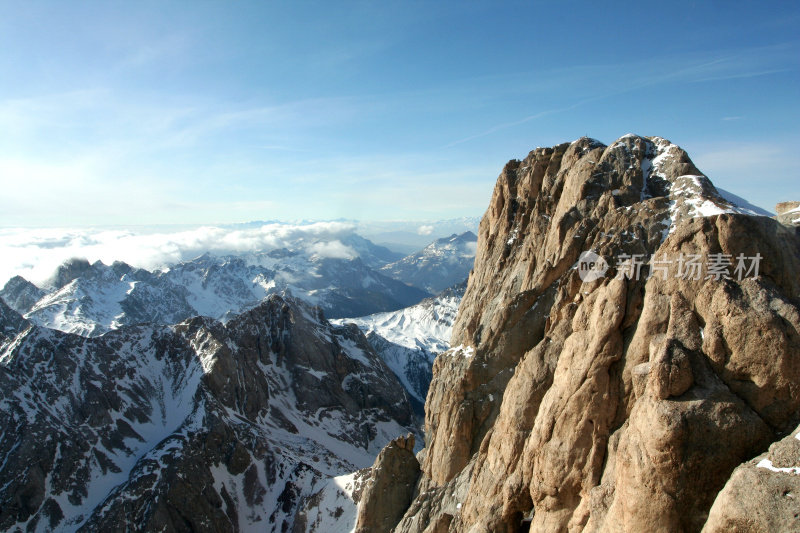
[{"x": 207, "y": 113}]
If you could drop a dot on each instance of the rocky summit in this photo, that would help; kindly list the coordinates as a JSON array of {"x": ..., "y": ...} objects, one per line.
[{"x": 626, "y": 358}]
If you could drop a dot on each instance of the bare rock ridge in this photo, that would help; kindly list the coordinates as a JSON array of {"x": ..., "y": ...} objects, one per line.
[{"x": 624, "y": 402}]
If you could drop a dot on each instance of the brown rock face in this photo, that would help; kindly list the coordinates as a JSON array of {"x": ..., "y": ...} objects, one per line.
[
  {"x": 610, "y": 404},
  {"x": 387, "y": 495}
]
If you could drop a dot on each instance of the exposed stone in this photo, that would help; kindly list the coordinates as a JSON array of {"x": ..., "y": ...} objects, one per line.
[
  {"x": 613, "y": 404},
  {"x": 390, "y": 490},
  {"x": 763, "y": 494}
]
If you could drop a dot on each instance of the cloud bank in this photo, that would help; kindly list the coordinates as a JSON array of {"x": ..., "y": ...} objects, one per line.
[{"x": 35, "y": 253}]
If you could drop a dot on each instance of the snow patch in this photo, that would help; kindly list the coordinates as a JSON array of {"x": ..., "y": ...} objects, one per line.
[{"x": 766, "y": 463}]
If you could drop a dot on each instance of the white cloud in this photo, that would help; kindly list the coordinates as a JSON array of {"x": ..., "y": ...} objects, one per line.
[
  {"x": 425, "y": 230},
  {"x": 332, "y": 250},
  {"x": 36, "y": 253}
]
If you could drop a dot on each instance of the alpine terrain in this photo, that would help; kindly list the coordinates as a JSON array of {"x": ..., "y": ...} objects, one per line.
[
  {"x": 408, "y": 340},
  {"x": 198, "y": 426},
  {"x": 653, "y": 385}
]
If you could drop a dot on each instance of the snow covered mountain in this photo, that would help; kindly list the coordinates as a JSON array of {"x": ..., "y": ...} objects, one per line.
[
  {"x": 91, "y": 299},
  {"x": 441, "y": 264},
  {"x": 20, "y": 294},
  {"x": 410, "y": 236},
  {"x": 409, "y": 339},
  {"x": 99, "y": 298},
  {"x": 197, "y": 426}
]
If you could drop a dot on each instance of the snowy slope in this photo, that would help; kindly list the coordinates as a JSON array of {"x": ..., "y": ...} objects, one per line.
[
  {"x": 334, "y": 508},
  {"x": 409, "y": 339},
  {"x": 200, "y": 425},
  {"x": 689, "y": 195},
  {"x": 742, "y": 203}
]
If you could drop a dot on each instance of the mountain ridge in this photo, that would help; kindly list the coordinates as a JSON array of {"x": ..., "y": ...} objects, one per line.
[
  {"x": 91, "y": 299},
  {"x": 199, "y": 425}
]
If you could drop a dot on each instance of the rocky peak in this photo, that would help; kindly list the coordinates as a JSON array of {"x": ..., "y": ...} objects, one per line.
[
  {"x": 20, "y": 294},
  {"x": 623, "y": 402},
  {"x": 68, "y": 271},
  {"x": 387, "y": 495}
]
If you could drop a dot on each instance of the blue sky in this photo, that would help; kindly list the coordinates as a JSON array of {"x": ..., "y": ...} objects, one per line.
[{"x": 214, "y": 112}]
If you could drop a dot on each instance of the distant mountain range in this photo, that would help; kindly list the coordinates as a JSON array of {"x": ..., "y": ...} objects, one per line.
[
  {"x": 405, "y": 236},
  {"x": 347, "y": 277},
  {"x": 91, "y": 299},
  {"x": 409, "y": 237},
  {"x": 443, "y": 263},
  {"x": 269, "y": 409}
]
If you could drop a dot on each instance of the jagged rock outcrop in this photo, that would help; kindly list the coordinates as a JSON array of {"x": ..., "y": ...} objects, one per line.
[
  {"x": 788, "y": 213},
  {"x": 611, "y": 404},
  {"x": 389, "y": 491},
  {"x": 194, "y": 427},
  {"x": 11, "y": 324}
]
